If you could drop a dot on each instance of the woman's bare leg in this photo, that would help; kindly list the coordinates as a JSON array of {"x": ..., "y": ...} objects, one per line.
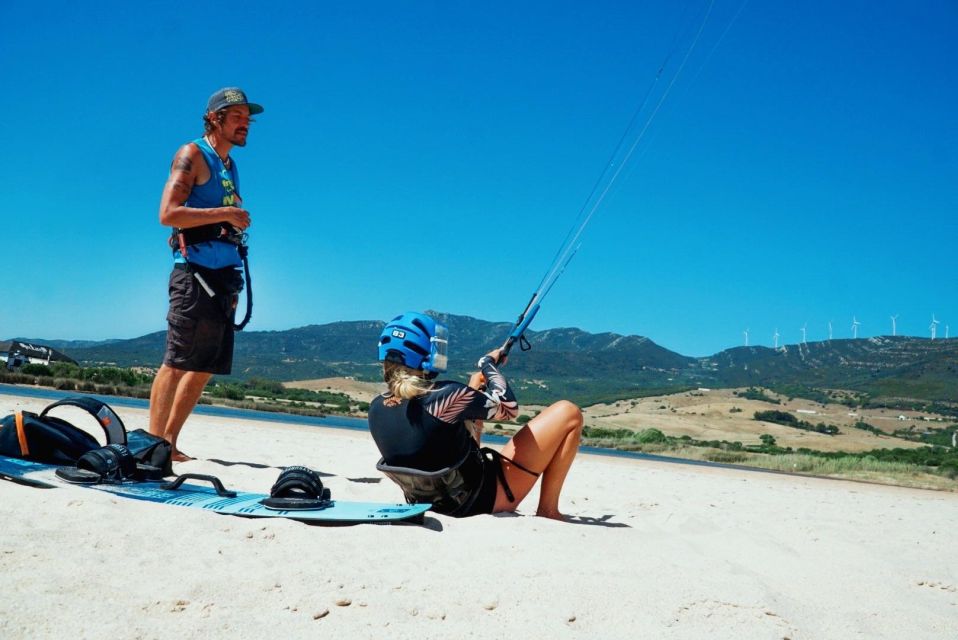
[{"x": 546, "y": 445}]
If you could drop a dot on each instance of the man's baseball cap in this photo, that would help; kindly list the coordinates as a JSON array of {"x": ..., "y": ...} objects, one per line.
[{"x": 229, "y": 97}]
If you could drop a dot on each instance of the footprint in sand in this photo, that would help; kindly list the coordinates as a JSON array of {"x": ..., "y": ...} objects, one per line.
[
  {"x": 931, "y": 584},
  {"x": 730, "y": 615}
]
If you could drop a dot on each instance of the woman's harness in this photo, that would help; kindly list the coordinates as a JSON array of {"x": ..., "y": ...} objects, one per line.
[{"x": 453, "y": 490}]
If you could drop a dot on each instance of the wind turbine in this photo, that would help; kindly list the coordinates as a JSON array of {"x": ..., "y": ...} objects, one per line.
[
  {"x": 855, "y": 324},
  {"x": 746, "y": 337},
  {"x": 804, "y": 328},
  {"x": 946, "y": 332},
  {"x": 933, "y": 326},
  {"x": 829, "y": 330},
  {"x": 775, "y": 337},
  {"x": 893, "y": 327}
]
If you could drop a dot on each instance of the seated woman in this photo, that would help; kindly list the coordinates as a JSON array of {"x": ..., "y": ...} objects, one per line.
[{"x": 428, "y": 431}]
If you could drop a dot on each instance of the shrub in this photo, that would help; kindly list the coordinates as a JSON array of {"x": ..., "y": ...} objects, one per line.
[
  {"x": 778, "y": 417},
  {"x": 650, "y": 435},
  {"x": 36, "y": 370},
  {"x": 864, "y": 426},
  {"x": 64, "y": 370},
  {"x": 949, "y": 469},
  {"x": 229, "y": 391},
  {"x": 726, "y": 457},
  {"x": 756, "y": 394}
]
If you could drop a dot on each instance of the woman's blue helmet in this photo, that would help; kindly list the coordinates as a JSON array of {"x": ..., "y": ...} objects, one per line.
[{"x": 416, "y": 341}]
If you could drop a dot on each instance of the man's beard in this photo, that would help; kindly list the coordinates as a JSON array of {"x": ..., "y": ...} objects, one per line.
[{"x": 239, "y": 140}]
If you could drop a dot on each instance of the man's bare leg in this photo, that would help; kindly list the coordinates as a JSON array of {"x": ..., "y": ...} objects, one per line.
[
  {"x": 173, "y": 396},
  {"x": 188, "y": 393},
  {"x": 161, "y": 397}
]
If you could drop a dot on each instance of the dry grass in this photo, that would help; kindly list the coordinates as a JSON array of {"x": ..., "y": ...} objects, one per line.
[
  {"x": 355, "y": 389},
  {"x": 709, "y": 415}
]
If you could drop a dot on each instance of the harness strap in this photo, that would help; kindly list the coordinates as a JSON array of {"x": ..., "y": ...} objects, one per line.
[
  {"x": 21, "y": 435},
  {"x": 502, "y": 476},
  {"x": 107, "y": 418},
  {"x": 244, "y": 253},
  {"x": 249, "y": 289},
  {"x": 500, "y": 472}
]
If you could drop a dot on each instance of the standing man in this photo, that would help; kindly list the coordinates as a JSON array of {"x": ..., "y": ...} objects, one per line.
[{"x": 201, "y": 201}]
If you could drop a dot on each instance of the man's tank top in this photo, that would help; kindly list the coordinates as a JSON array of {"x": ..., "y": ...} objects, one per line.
[{"x": 221, "y": 190}]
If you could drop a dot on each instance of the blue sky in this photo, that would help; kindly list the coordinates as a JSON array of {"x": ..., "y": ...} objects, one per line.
[{"x": 434, "y": 155}]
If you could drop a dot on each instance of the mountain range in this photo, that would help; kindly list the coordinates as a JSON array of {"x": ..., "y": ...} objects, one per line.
[{"x": 582, "y": 366}]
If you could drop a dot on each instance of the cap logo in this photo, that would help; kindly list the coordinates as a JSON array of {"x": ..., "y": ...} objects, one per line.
[
  {"x": 232, "y": 96},
  {"x": 399, "y": 334}
]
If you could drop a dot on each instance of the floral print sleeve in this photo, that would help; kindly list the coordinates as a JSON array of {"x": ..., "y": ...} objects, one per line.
[{"x": 454, "y": 402}]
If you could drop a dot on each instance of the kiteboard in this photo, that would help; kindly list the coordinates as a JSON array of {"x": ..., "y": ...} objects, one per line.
[{"x": 216, "y": 498}]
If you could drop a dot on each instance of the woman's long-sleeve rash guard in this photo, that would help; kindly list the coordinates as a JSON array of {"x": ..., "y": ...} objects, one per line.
[{"x": 429, "y": 432}]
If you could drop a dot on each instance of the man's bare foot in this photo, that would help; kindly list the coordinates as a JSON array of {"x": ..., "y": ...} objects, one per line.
[
  {"x": 179, "y": 456},
  {"x": 552, "y": 514}
]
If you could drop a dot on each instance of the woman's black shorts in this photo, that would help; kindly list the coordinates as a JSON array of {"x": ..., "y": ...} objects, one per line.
[{"x": 486, "y": 500}]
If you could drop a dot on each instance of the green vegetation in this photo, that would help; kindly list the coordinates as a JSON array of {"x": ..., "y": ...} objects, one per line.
[
  {"x": 756, "y": 394},
  {"x": 786, "y": 419},
  {"x": 264, "y": 392},
  {"x": 641, "y": 437},
  {"x": 940, "y": 437},
  {"x": 111, "y": 381},
  {"x": 930, "y": 466},
  {"x": 862, "y": 467},
  {"x": 906, "y": 404},
  {"x": 258, "y": 394},
  {"x": 864, "y": 426},
  {"x": 96, "y": 375},
  {"x": 792, "y": 391}
]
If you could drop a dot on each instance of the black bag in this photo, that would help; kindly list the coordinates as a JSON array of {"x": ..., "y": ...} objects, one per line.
[
  {"x": 51, "y": 440},
  {"x": 152, "y": 451}
]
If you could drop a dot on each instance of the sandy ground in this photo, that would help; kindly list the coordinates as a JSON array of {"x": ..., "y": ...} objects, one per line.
[{"x": 655, "y": 550}]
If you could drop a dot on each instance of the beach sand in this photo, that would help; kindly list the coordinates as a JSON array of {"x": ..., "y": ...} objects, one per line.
[{"x": 656, "y": 550}]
